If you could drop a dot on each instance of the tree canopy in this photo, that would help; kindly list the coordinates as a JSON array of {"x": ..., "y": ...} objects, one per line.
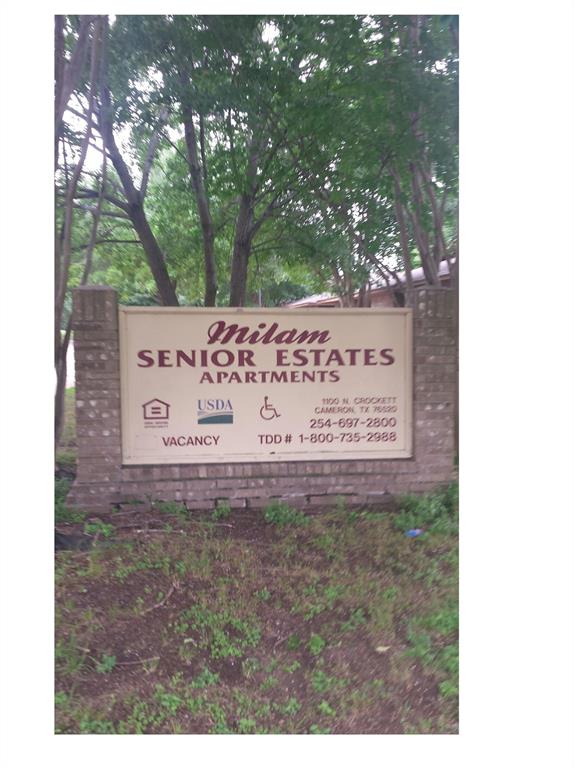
[{"x": 236, "y": 160}]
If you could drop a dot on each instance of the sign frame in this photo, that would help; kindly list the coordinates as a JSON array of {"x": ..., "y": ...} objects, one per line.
[{"x": 235, "y": 314}]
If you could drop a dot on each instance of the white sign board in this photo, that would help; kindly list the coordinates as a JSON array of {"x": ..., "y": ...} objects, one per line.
[{"x": 230, "y": 385}]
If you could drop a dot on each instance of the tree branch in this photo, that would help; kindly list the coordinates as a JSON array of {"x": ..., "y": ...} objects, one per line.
[
  {"x": 95, "y": 224},
  {"x": 151, "y": 150},
  {"x": 63, "y": 254},
  {"x": 104, "y": 240}
]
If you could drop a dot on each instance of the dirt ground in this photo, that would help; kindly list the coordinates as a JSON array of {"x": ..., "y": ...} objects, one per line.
[{"x": 246, "y": 622}]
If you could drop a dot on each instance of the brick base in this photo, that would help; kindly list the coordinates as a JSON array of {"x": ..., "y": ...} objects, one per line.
[{"x": 102, "y": 481}]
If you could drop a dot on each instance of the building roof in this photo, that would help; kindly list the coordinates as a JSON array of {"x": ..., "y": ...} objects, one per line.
[{"x": 380, "y": 284}]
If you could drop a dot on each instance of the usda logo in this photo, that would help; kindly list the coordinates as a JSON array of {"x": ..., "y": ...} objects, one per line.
[{"x": 214, "y": 412}]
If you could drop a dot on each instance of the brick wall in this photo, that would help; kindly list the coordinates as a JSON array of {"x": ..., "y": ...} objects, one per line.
[{"x": 102, "y": 481}]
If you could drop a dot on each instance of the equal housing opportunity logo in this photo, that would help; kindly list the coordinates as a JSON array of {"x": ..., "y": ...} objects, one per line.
[
  {"x": 156, "y": 410},
  {"x": 216, "y": 411}
]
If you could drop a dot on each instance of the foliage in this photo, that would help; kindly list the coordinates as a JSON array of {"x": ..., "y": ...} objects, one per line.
[
  {"x": 205, "y": 678},
  {"x": 432, "y": 639},
  {"x": 435, "y": 512},
  {"x": 268, "y": 635},
  {"x": 281, "y": 514},
  {"x": 303, "y": 91},
  {"x": 62, "y": 513},
  {"x": 106, "y": 664},
  {"x": 99, "y": 528},
  {"x": 172, "y": 508},
  {"x": 222, "y": 633},
  {"x": 316, "y": 644},
  {"x": 222, "y": 510}
]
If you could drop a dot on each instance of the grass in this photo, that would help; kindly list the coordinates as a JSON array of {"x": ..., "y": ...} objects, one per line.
[
  {"x": 278, "y": 622},
  {"x": 281, "y": 514}
]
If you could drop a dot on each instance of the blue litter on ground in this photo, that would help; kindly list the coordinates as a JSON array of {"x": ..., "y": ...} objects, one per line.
[{"x": 413, "y": 532}]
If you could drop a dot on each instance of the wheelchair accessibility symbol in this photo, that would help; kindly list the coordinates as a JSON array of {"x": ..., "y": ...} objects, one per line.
[{"x": 267, "y": 411}]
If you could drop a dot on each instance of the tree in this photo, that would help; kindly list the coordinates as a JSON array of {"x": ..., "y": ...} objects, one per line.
[{"x": 68, "y": 74}]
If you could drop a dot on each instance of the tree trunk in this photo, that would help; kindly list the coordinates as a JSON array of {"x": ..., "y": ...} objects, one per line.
[
  {"x": 154, "y": 256},
  {"x": 198, "y": 172},
  {"x": 61, "y": 346},
  {"x": 403, "y": 232},
  {"x": 67, "y": 73},
  {"x": 138, "y": 218},
  {"x": 245, "y": 226},
  {"x": 61, "y": 373},
  {"x": 241, "y": 252},
  {"x": 135, "y": 207}
]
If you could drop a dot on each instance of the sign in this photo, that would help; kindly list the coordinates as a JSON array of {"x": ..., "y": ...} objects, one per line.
[{"x": 229, "y": 385}]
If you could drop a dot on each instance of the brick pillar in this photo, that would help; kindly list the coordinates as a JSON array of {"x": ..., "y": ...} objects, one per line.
[
  {"x": 96, "y": 349},
  {"x": 435, "y": 377}
]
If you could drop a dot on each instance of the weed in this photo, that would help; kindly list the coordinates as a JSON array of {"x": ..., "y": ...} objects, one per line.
[
  {"x": 205, "y": 678},
  {"x": 186, "y": 652},
  {"x": 321, "y": 682},
  {"x": 272, "y": 666},
  {"x": 98, "y": 528},
  {"x": 223, "y": 634},
  {"x": 442, "y": 622},
  {"x": 422, "y": 726},
  {"x": 281, "y": 514},
  {"x": 326, "y": 709},
  {"x": 318, "y": 600},
  {"x": 246, "y": 725},
  {"x": 169, "y": 701},
  {"x": 382, "y": 610},
  {"x": 316, "y": 644},
  {"x": 433, "y": 512},
  {"x": 448, "y": 689},
  {"x": 317, "y": 729},
  {"x": 268, "y": 683},
  {"x": 62, "y": 513},
  {"x": 66, "y": 459},
  {"x": 61, "y": 699},
  {"x": 328, "y": 545},
  {"x": 390, "y": 593},
  {"x": 89, "y": 725},
  {"x": 250, "y": 666},
  {"x": 373, "y": 515},
  {"x": 105, "y": 664},
  {"x": 175, "y": 508},
  {"x": 291, "y": 707},
  {"x": 218, "y": 718},
  {"x": 69, "y": 657},
  {"x": 356, "y": 620},
  {"x": 195, "y": 704},
  {"x": 330, "y": 585},
  {"x": 61, "y": 489},
  {"x": 426, "y": 637},
  {"x": 147, "y": 562},
  {"x": 293, "y": 642},
  {"x": 222, "y": 510},
  {"x": 143, "y": 718}
]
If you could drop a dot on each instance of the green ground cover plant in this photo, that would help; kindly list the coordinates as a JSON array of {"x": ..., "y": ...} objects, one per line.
[
  {"x": 278, "y": 622},
  {"x": 281, "y": 514}
]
